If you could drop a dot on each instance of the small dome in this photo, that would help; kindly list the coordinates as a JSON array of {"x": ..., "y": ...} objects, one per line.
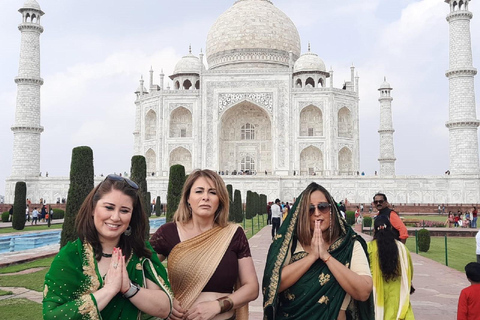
[
  {"x": 385, "y": 85},
  {"x": 309, "y": 62},
  {"x": 188, "y": 64},
  {"x": 31, "y": 4}
]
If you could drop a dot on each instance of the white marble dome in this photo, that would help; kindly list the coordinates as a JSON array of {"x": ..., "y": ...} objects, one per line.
[
  {"x": 309, "y": 62},
  {"x": 385, "y": 85},
  {"x": 187, "y": 65},
  {"x": 252, "y": 33},
  {"x": 31, "y": 4}
]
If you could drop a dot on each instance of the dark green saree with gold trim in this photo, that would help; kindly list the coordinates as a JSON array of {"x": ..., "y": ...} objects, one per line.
[{"x": 317, "y": 294}]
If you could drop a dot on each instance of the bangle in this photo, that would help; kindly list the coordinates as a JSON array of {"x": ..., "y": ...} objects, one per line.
[
  {"x": 132, "y": 291},
  {"x": 226, "y": 304},
  {"x": 327, "y": 258}
]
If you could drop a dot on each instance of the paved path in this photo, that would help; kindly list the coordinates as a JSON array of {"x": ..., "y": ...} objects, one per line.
[
  {"x": 436, "y": 296},
  {"x": 437, "y": 286}
]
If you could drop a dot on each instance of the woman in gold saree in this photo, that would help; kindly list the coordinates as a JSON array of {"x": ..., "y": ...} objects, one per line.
[
  {"x": 109, "y": 272},
  {"x": 207, "y": 256},
  {"x": 317, "y": 266}
]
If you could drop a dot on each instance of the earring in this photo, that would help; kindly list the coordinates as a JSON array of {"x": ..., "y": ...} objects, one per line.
[
  {"x": 128, "y": 232},
  {"x": 330, "y": 228}
]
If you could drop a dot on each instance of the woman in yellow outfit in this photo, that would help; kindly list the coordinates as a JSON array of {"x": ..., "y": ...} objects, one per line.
[{"x": 392, "y": 273}]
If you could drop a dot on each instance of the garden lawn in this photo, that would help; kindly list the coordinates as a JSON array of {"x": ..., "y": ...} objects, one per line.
[
  {"x": 28, "y": 227},
  {"x": 461, "y": 250},
  {"x": 20, "y": 309}
]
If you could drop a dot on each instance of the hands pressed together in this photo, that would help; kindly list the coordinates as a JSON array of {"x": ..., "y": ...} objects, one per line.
[
  {"x": 318, "y": 246},
  {"x": 116, "y": 279}
]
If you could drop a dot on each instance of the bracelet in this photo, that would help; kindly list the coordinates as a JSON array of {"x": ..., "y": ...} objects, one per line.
[
  {"x": 132, "y": 291},
  {"x": 226, "y": 304},
  {"x": 326, "y": 260}
]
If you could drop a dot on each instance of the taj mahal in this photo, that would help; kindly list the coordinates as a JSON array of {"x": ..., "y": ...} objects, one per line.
[{"x": 265, "y": 113}]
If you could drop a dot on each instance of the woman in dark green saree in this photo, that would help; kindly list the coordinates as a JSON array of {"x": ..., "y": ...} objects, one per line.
[
  {"x": 317, "y": 267},
  {"x": 109, "y": 272}
]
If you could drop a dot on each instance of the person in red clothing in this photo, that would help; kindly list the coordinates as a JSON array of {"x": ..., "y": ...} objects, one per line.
[
  {"x": 380, "y": 201},
  {"x": 469, "y": 301}
]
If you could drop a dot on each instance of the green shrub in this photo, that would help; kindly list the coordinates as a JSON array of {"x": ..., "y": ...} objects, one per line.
[
  {"x": 19, "y": 205},
  {"x": 5, "y": 216},
  {"x": 138, "y": 174},
  {"x": 367, "y": 222},
  {"x": 237, "y": 205},
  {"x": 158, "y": 207},
  {"x": 176, "y": 179},
  {"x": 81, "y": 183},
  {"x": 231, "y": 216},
  {"x": 249, "y": 210},
  {"x": 423, "y": 240},
  {"x": 350, "y": 217},
  {"x": 58, "y": 214}
]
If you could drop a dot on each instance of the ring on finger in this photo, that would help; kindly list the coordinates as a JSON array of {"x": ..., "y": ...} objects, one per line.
[{"x": 115, "y": 266}]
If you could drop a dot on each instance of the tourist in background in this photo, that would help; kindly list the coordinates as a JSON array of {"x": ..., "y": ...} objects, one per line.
[
  {"x": 110, "y": 271},
  {"x": 10, "y": 214},
  {"x": 209, "y": 261},
  {"x": 450, "y": 220},
  {"x": 399, "y": 229},
  {"x": 477, "y": 239},
  {"x": 392, "y": 273},
  {"x": 34, "y": 216},
  {"x": 469, "y": 300},
  {"x": 317, "y": 264},
  {"x": 474, "y": 217},
  {"x": 276, "y": 217}
]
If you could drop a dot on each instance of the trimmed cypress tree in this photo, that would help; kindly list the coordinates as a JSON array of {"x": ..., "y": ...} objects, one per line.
[
  {"x": 19, "y": 205},
  {"x": 138, "y": 174},
  {"x": 81, "y": 183},
  {"x": 231, "y": 216},
  {"x": 263, "y": 204},
  {"x": 250, "y": 208},
  {"x": 176, "y": 180},
  {"x": 237, "y": 206},
  {"x": 158, "y": 207}
]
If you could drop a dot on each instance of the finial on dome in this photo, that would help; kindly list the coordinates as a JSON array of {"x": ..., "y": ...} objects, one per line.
[
  {"x": 190, "y": 48},
  {"x": 151, "y": 68},
  {"x": 308, "y": 46},
  {"x": 384, "y": 78}
]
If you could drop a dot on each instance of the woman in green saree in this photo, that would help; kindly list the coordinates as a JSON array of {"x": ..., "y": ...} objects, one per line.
[
  {"x": 109, "y": 272},
  {"x": 317, "y": 266}
]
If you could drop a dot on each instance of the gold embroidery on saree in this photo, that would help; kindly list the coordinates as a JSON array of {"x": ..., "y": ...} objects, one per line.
[
  {"x": 323, "y": 278},
  {"x": 279, "y": 262},
  {"x": 323, "y": 299},
  {"x": 86, "y": 306},
  {"x": 288, "y": 295},
  {"x": 45, "y": 291}
]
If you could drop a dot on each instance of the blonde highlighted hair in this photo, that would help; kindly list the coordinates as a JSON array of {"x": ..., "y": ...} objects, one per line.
[{"x": 184, "y": 213}]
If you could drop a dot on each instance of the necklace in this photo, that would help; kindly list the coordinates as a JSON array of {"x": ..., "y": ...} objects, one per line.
[{"x": 107, "y": 255}]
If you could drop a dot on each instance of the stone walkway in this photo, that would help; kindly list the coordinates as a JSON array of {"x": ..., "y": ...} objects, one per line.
[{"x": 437, "y": 286}]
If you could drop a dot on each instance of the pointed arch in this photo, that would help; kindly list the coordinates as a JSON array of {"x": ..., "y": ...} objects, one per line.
[
  {"x": 245, "y": 130},
  {"x": 151, "y": 159},
  {"x": 345, "y": 161},
  {"x": 177, "y": 85},
  {"x": 197, "y": 84},
  {"x": 180, "y": 123},
  {"x": 310, "y": 82},
  {"x": 311, "y": 161},
  {"x": 181, "y": 156},
  {"x": 298, "y": 83},
  {"x": 321, "y": 83},
  {"x": 311, "y": 121},
  {"x": 187, "y": 84},
  {"x": 150, "y": 125},
  {"x": 345, "y": 125}
]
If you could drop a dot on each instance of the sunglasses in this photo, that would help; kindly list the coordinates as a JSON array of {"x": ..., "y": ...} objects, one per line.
[
  {"x": 114, "y": 177},
  {"x": 323, "y": 207},
  {"x": 379, "y": 201}
]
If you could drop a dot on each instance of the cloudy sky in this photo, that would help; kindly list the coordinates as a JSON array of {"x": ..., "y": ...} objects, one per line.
[{"x": 94, "y": 52}]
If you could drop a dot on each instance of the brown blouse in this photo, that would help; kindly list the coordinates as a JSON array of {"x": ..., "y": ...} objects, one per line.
[{"x": 226, "y": 274}]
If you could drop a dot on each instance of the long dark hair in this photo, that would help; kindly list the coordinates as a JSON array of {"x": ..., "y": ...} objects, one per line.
[
  {"x": 387, "y": 248},
  {"x": 86, "y": 227}
]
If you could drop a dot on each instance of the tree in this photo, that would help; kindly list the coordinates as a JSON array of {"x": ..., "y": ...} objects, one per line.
[
  {"x": 19, "y": 205},
  {"x": 263, "y": 204},
  {"x": 158, "y": 207},
  {"x": 138, "y": 174},
  {"x": 250, "y": 208},
  {"x": 237, "y": 205},
  {"x": 176, "y": 180},
  {"x": 230, "y": 199},
  {"x": 81, "y": 183}
]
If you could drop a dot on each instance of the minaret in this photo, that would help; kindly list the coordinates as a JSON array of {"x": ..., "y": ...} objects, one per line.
[
  {"x": 462, "y": 122},
  {"x": 27, "y": 128},
  {"x": 387, "y": 154}
]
